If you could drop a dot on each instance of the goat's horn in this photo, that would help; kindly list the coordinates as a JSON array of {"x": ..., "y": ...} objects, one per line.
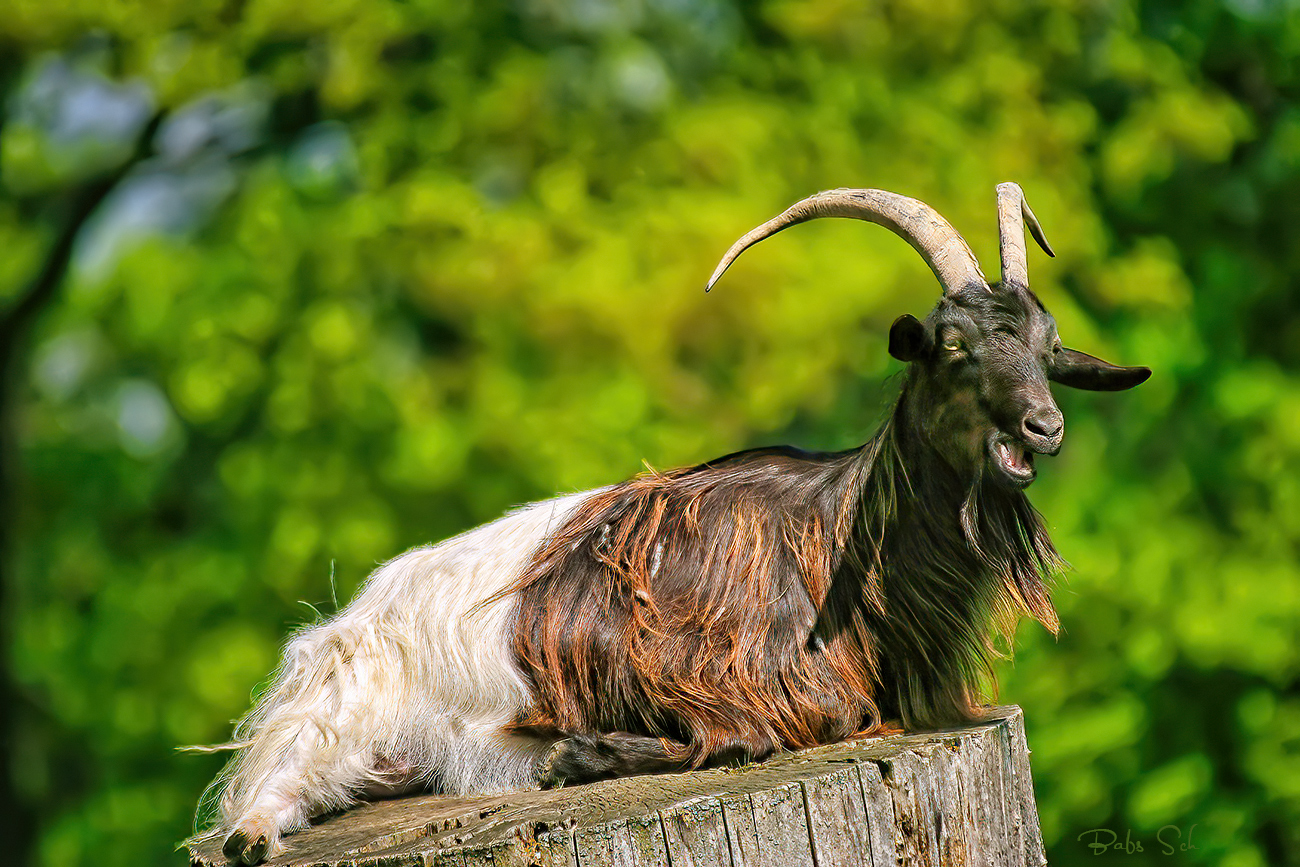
[
  {"x": 1013, "y": 215},
  {"x": 915, "y": 222}
]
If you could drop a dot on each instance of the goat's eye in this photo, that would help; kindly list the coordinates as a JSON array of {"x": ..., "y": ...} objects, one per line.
[{"x": 953, "y": 344}]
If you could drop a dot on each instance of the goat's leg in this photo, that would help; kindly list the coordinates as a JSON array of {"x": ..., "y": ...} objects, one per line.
[
  {"x": 286, "y": 805},
  {"x": 311, "y": 746},
  {"x": 584, "y": 758},
  {"x": 288, "y": 780}
]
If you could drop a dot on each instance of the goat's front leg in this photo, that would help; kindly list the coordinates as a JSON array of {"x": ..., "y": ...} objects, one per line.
[{"x": 585, "y": 758}]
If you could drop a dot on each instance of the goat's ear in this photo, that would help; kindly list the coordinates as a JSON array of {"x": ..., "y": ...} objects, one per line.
[
  {"x": 1080, "y": 370},
  {"x": 908, "y": 339}
]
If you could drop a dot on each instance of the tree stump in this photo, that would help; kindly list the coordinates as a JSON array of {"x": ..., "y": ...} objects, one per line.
[{"x": 959, "y": 796}]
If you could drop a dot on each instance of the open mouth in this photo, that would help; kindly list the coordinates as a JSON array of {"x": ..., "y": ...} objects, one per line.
[{"x": 1013, "y": 460}]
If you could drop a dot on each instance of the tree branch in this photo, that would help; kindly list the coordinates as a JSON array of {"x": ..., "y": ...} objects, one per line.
[{"x": 84, "y": 203}]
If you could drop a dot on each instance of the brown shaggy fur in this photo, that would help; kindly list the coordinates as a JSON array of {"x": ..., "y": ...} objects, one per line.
[{"x": 777, "y": 599}]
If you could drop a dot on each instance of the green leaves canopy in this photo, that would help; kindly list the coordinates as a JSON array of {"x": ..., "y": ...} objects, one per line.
[{"x": 458, "y": 267}]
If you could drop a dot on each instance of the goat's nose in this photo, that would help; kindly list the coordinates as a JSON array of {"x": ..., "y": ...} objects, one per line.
[{"x": 1044, "y": 428}]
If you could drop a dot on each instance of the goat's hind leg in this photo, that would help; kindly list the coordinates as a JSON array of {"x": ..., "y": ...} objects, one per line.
[
  {"x": 311, "y": 744},
  {"x": 255, "y": 835}
]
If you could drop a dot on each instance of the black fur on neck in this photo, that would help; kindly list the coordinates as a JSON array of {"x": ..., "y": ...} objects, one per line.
[{"x": 938, "y": 568}]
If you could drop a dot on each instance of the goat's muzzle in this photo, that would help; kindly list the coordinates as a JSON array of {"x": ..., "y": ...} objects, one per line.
[{"x": 1042, "y": 430}]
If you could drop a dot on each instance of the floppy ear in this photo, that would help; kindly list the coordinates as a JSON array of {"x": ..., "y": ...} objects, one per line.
[
  {"x": 1081, "y": 370},
  {"x": 908, "y": 339}
]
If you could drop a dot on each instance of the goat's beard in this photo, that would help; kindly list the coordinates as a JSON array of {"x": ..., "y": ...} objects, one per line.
[
  {"x": 970, "y": 513},
  {"x": 978, "y": 492}
]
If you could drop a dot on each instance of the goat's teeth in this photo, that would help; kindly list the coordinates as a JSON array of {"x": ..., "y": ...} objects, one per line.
[{"x": 1012, "y": 455}]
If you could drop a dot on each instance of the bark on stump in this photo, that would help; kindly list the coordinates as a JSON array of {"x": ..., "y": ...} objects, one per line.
[{"x": 960, "y": 796}]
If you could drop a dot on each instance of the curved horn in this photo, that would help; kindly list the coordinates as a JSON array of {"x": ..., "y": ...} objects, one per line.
[
  {"x": 1013, "y": 215},
  {"x": 915, "y": 222}
]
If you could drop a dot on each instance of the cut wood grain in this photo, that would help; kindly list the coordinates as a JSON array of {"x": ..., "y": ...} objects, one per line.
[{"x": 954, "y": 797}]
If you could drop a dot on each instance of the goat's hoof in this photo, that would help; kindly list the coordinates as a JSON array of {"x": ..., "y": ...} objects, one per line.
[
  {"x": 239, "y": 850},
  {"x": 549, "y": 775}
]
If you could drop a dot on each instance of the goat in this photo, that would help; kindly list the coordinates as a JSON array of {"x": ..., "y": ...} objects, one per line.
[{"x": 768, "y": 600}]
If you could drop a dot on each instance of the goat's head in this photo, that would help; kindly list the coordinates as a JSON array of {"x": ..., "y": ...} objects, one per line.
[{"x": 980, "y": 362}]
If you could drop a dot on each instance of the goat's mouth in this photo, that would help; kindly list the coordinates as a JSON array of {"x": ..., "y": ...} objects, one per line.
[{"x": 1012, "y": 460}]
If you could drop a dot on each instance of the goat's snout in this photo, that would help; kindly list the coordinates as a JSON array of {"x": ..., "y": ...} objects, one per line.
[{"x": 1043, "y": 429}]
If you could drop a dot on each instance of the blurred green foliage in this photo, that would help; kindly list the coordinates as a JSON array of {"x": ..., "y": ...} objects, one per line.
[{"x": 455, "y": 264}]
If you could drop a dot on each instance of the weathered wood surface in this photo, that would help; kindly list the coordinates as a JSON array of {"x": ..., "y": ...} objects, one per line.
[{"x": 954, "y": 797}]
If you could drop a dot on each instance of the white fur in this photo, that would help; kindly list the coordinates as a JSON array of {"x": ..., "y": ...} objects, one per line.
[{"x": 411, "y": 685}]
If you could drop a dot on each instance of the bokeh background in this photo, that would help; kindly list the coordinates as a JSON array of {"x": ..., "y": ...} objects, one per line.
[{"x": 288, "y": 287}]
